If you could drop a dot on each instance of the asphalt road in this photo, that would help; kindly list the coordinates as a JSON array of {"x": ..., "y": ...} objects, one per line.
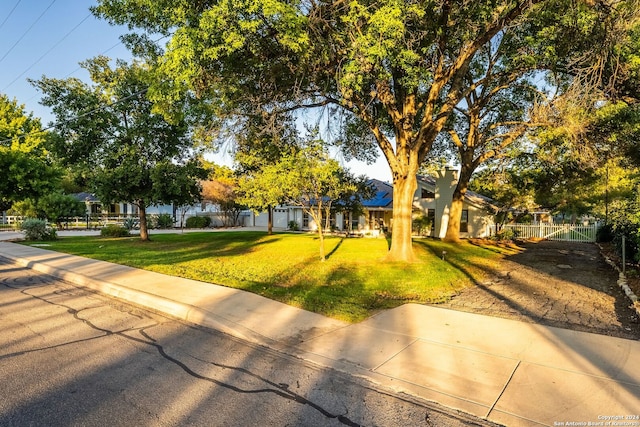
[{"x": 69, "y": 357}]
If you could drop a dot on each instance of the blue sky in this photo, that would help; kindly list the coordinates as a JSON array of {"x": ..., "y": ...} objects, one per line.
[{"x": 51, "y": 38}]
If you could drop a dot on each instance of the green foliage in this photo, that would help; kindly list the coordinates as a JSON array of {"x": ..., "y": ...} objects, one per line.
[
  {"x": 130, "y": 223},
  {"x": 395, "y": 70},
  {"x": 20, "y": 131},
  {"x": 37, "y": 229},
  {"x": 306, "y": 177},
  {"x": 293, "y": 226},
  {"x": 352, "y": 284},
  {"x": 24, "y": 208},
  {"x": 57, "y": 206},
  {"x": 505, "y": 234},
  {"x": 164, "y": 221},
  {"x": 422, "y": 225},
  {"x": 25, "y": 175},
  {"x": 198, "y": 222},
  {"x": 127, "y": 150},
  {"x": 605, "y": 233},
  {"x": 113, "y": 230}
]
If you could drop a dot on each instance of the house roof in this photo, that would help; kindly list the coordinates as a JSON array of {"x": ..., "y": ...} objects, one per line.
[
  {"x": 383, "y": 197},
  {"x": 384, "y": 194},
  {"x": 86, "y": 197}
]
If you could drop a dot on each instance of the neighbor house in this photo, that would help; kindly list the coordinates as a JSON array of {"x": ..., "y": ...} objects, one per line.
[
  {"x": 432, "y": 199},
  {"x": 434, "y": 196}
]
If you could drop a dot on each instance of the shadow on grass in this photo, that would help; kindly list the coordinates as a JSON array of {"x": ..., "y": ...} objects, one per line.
[
  {"x": 335, "y": 248},
  {"x": 167, "y": 249}
]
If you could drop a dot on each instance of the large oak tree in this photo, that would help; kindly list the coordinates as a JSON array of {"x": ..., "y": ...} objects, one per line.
[{"x": 398, "y": 68}]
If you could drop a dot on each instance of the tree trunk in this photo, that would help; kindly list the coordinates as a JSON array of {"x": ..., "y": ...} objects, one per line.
[
  {"x": 270, "y": 220},
  {"x": 404, "y": 188},
  {"x": 457, "y": 202},
  {"x": 455, "y": 214},
  {"x": 321, "y": 235},
  {"x": 144, "y": 233}
]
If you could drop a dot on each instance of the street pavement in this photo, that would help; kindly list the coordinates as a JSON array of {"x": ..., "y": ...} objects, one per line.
[
  {"x": 72, "y": 357},
  {"x": 504, "y": 371}
]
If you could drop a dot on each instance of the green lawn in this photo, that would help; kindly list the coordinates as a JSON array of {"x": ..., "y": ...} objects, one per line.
[{"x": 351, "y": 284}]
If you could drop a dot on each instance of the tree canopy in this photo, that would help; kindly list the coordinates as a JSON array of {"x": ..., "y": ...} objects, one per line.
[
  {"x": 27, "y": 171},
  {"x": 108, "y": 130},
  {"x": 396, "y": 69},
  {"x": 305, "y": 177}
]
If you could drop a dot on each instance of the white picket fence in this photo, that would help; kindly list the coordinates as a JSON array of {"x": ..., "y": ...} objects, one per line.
[{"x": 563, "y": 232}]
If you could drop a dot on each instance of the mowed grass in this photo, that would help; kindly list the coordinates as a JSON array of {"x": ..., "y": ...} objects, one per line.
[{"x": 352, "y": 284}]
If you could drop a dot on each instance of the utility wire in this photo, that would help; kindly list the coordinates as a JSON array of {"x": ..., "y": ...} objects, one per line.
[
  {"x": 113, "y": 47},
  {"x": 46, "y": 53},
  {"x": 10, "y": 13},
  {"x": 27, "y": 31}
]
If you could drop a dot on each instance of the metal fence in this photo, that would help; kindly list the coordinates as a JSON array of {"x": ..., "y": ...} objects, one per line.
[{"x": 564, "y": 232}]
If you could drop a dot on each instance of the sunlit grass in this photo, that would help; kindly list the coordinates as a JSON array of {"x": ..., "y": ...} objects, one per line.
[{"x": 352, "y": 284}]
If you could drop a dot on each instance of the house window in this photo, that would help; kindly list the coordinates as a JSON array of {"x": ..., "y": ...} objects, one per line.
[
  {"x": 426, "y": 194},
  {"x": 464, "y": 221},
  {"x": 305, "y": 220},
  {"x": 125, "y": 208},
  {"x": 431, "y": 214},
  {"x": 350, "y": 222}
]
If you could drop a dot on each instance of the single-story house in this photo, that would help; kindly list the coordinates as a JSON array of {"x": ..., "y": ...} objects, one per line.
[
  {"x": 120, "y": 211},
  {"x": 96, "y": 207},
  {"x": 432, "y": 198}
]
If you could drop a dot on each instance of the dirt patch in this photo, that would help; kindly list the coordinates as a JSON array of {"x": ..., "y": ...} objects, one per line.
[{"x": 562, "y": 284}]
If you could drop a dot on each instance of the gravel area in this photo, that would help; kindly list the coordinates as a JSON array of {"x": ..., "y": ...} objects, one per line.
[{"x": 562, "y": 284}]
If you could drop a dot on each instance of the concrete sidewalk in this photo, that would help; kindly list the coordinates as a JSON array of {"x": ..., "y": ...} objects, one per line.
[{"x": 508, "y": 372}]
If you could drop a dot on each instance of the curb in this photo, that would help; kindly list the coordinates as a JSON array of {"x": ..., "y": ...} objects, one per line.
[
  {"x": 622, "y": 282},
  {"x": 156, "y": 303}
]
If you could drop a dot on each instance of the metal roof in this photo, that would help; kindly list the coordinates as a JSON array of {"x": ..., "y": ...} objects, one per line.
[{"x": 383, "y": 197}]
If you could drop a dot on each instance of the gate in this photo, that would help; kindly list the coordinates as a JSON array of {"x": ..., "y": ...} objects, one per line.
[{"x": 564, "y": 232}]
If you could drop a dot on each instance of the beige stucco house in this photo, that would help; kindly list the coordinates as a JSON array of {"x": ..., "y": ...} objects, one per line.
[{"x": 432, "y": 198}]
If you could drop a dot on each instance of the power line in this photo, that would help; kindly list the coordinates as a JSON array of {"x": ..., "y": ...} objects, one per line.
[
  {"x": 101, "y": 53},
  {"x": 113, "y": 47},
  {"x": 10, "y": 13},
  {"x": 46, "y": 53},
  {"x": 27, "y": 31}
]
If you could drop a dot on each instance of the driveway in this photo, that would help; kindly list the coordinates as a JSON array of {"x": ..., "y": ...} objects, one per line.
[{"x": 563, "y": 284}]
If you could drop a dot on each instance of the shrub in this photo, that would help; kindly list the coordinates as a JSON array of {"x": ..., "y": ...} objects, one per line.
[
  {"x": 505, "y": 234},
  {"x": 37, "y": 229},
  {"x": 130, "y": 223},
  {"x": 165, "y": 221},
  {"x": 422, "y": 225},
  {"x": 605, "y": 234},
  {"x": 113, "y": 230},
  {"x": 198, "y": 222},
  {"x": 293, "y": 226}
]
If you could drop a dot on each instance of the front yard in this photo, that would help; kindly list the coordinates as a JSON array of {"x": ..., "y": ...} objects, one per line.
[{"x": 352, "y": 284}]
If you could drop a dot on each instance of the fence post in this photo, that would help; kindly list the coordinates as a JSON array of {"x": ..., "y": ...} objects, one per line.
[{"x": 624, "y": 254}]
